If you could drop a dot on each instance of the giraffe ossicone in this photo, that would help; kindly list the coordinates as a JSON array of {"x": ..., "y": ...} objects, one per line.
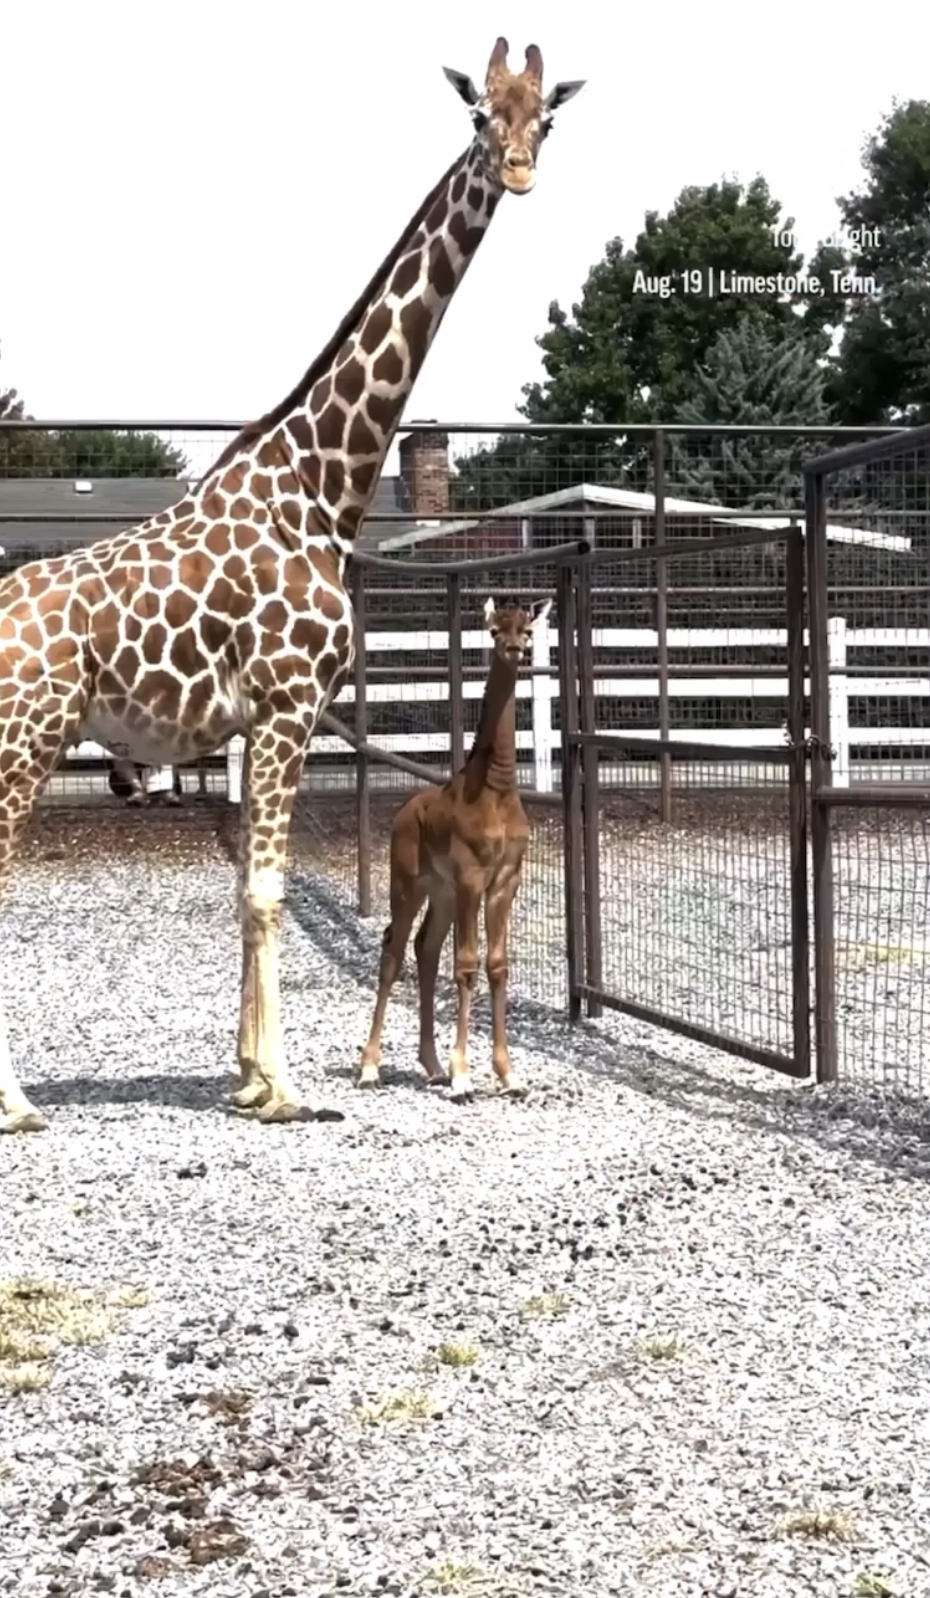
[{"x": 228, "y": 614}]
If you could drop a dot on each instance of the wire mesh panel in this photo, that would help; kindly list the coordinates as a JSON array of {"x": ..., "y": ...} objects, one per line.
[
  {"x": 692, "y": 782},
  {"x": 696, "y": 916},
  {"x": 881, "y": 864},
  {"x": 870, "y": 721}
]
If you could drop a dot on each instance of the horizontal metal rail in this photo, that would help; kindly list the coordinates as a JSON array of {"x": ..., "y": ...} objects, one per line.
[
  {"x": 619, "y": 742},
  {"x": 543, "y": 429},
  {"x": 427, "y": 774},
  {"x": 576, "y": 550},
  {"x": 900, "y": 442},
  {"x": 861, "y": 795},
  {"x": 513, "y": 513}
]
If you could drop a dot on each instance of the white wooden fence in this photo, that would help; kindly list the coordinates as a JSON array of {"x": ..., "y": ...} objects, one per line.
[{"x": 542, "y": 741}]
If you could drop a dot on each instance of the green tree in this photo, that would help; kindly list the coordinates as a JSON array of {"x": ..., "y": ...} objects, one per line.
[
  {"x": 627, "y": 355},
  {"x": 104, "y": 452},
  {"x": 883, "y": 371},
  {"x": 18, "y": 447},
  {"x": 755, "y": 372},
  {"x": 77, "y": 452}
]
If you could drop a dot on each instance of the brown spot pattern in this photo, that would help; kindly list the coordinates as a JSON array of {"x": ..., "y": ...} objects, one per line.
[
  {"x": 376, "y": 328},
  {"x": 350, "y": 382},
  {"x": 406, "y": 277}
]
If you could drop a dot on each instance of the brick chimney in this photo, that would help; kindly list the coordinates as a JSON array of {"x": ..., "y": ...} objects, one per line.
[{"x": 424, "y": 470}]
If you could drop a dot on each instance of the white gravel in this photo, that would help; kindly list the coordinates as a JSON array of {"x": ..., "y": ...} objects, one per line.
[{"x": 773, "y": 1242}]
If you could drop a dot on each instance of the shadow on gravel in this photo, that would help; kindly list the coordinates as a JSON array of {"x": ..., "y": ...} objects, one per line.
[
  {"x": 893, "y": 1133},
  {"x": 333, "y": 927},
  {"x": 180, "y": 1091}
]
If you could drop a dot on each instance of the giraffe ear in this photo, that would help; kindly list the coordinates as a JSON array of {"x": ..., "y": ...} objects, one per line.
[
  {"x": 462, "y": 85},
  {"x": 559, "y": 95},
  {"x": 489, "y": 609},
  {"x": 539, "y": 611}
]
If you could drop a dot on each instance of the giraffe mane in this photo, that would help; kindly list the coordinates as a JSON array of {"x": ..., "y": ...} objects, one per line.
[{"x": 253, "y": 431}]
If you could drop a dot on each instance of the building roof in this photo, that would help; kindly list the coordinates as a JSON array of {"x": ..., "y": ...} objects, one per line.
[
  {"x": 132, "y": 498},
  {"x": 602, "y": 498}
]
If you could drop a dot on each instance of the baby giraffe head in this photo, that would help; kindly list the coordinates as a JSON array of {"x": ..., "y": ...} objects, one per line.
[{"x": 511, "y": 627}]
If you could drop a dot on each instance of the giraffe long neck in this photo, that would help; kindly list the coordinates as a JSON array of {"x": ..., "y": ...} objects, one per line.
[
  {"x": 493, "y": 755},
  {"x": 319, "y": 454}
]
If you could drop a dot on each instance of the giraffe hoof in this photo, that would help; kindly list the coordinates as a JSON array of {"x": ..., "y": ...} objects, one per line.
[
  {"x": 462, "y": 1090},
  {"x": 278, "y": 1112},
  {"x": 511, "y": 1088},
  {"x": 285, "y": 1113},
  {"x": 23, "y": 1121},
  {"x": 437, "y": 1080},
  {"x": 369, "y": 1077}
]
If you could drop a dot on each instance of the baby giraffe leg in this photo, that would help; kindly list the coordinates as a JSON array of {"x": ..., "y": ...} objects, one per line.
[
  {"x": 429, "y": 943},
  {"x": 404, "y": 907},
  {"x": 467, "y": 905},
  {"x": 498, "y": 906}
]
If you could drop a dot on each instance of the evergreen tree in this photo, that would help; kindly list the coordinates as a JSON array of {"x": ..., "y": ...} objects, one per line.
[
  {"x": 883, "y": 372},
  {"x": 754, "y": 374},
  {"x": 628, "y": 355}
]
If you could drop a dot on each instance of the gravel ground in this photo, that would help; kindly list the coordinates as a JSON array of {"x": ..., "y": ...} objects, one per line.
[{"x": 696, "y": 1300}]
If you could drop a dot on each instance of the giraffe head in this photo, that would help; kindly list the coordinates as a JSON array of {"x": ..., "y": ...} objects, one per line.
[
  {"x": 512, "y": 628},
  {"x": 511, "y": 116}
]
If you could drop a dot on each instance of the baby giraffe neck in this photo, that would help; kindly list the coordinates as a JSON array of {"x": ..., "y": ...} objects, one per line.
[{"x": 494, "y": 751}]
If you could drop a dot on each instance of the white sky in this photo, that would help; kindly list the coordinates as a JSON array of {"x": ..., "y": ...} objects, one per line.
[{"x": 195, "y": 193}]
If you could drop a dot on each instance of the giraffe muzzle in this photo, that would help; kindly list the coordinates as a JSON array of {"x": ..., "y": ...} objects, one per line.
[{"x": 518, "y": 177}]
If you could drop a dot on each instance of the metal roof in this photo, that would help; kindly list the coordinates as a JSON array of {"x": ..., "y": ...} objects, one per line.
[
  {"x": 132, "y": 498},
  {"x": 603, "y": 498}
]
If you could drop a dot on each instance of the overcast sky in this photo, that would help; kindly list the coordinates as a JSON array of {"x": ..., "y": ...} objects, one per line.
[{"x": 195, "y": 193}]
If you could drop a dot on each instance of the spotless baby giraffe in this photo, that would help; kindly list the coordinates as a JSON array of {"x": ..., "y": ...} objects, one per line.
[
  {"x": 456, "y": 847},
  {"x": 228, "y": 614}
]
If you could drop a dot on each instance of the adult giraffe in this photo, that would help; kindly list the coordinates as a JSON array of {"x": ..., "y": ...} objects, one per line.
[{"x": 228, "y": 613}]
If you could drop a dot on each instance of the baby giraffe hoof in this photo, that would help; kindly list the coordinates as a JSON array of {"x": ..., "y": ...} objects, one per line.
[
  {"x": 369, "y": 1077},
  {"x": 512, "y": 1088},
  {"x": 462, "y": 1090},
  {"x": 436, "y": 1079}
]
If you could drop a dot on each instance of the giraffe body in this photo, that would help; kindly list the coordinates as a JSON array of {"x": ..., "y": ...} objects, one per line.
[
  {"x": 455, "y": 848},
  {"x": 228, "y": 614}
]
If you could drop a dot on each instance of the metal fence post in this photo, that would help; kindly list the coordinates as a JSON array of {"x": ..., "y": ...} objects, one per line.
[
  {"x": 571, "y": 788},
  {"x": 665, "y": 760},
  {"x": 362, "y": 790},
  {"x": 590, "y": 792},
  {"x": 456, "y": 673},
  {"x": 797, "y": 804},
  {"x": 821, "y": 826}
]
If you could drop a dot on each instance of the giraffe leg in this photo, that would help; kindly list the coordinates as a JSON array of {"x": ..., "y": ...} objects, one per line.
[
  {"x": 33, "y": 730},
  {"x": 404, "y": 906},
  {"x": 264, "y": 1085},
  {"x": 468, "y": 896},
  {"x": 497, "y": 908},
  {"x": 429, "y": 942}
]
